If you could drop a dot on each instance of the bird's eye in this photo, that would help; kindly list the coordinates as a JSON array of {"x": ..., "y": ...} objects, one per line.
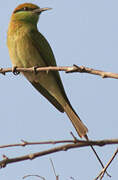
[{"x": 25, "y": 8}]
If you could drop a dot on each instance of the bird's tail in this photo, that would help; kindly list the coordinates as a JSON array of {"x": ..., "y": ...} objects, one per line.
[
  {"x": 76, "y": 121},
  {"x": 80, "y": 127}
]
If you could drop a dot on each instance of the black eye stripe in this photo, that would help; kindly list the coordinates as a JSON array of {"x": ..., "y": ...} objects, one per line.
[{"x": 24, "y": 9}]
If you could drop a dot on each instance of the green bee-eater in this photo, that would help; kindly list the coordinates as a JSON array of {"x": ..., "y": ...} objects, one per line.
[{"x": 28, "y": 48}]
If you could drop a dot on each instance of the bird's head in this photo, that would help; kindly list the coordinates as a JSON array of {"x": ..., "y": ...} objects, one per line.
[{"x": 27, "y": 12}]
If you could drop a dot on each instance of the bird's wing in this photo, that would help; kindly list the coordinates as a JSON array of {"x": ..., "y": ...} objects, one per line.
[{"x": 47, "y": 55}]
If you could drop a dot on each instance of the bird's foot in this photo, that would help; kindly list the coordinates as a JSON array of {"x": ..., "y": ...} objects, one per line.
[
  {"x": 35, "y": 69},
  {"x": 14, "y": 70}
]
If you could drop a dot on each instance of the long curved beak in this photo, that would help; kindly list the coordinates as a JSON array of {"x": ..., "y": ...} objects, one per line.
[{"x": 40, "y": 10}]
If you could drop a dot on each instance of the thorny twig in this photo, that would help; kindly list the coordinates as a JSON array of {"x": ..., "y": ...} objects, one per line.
[{"x": 67, "y": 69}]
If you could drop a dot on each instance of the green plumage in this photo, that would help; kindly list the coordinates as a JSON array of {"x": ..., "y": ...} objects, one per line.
[{"x": 28, "y": 48}]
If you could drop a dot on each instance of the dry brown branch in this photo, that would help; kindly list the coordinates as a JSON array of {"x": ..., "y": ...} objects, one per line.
[
  {"x": 97, "y": 156},
  {"x": 34, "y": 176},
  {"x": 53, "y": 142},
  {"x": 101, "y": 175},
  {"x": 57, "y": 176},
  {"x": 26, "y": 143},
  {"x": 66, "y": 147},
  {"x": 67, "y": 69}
]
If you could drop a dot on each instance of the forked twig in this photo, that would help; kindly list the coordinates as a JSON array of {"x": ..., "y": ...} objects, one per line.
[{"x": 101, "y": 175}]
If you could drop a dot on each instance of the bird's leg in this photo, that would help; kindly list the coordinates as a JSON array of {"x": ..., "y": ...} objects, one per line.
[{"x": 14, "y": 70}]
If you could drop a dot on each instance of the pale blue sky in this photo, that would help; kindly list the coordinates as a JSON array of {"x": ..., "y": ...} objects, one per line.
[{"x": 83, "y": 33}]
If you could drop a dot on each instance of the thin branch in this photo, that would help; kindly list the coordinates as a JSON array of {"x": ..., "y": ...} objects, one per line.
[
  {"x": 66, "y": 147},
  {"x": 57, "y": 177},
  {"x": 101, "y": 175},
  {"x": 67, "y": 69},
  {"x": 34, "y": 176},
  {"x": 98, "y": 158},
  {"x": 75, "y": 138},
  {"x": 53, "y": 142},
  {"x": 27, "y": 143}
]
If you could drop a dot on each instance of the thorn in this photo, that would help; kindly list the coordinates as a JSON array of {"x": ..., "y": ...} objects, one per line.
[
  {"x": 75, "y": 139},
  {"x": 4, "y": 157},
  {"x": 24, "y": 143},
  {"x": 47, "y": 71}
]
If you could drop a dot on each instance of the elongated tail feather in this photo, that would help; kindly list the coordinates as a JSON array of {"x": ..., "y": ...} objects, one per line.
[{"x": 76, "y": 121}]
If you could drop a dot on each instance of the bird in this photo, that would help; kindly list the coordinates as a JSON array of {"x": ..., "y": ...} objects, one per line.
[{"x": 29, "y": 48}]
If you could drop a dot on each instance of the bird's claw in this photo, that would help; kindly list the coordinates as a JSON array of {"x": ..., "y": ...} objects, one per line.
[
  {"x": 35, "y": 69},
  {"x": 14, "y": 70}
]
